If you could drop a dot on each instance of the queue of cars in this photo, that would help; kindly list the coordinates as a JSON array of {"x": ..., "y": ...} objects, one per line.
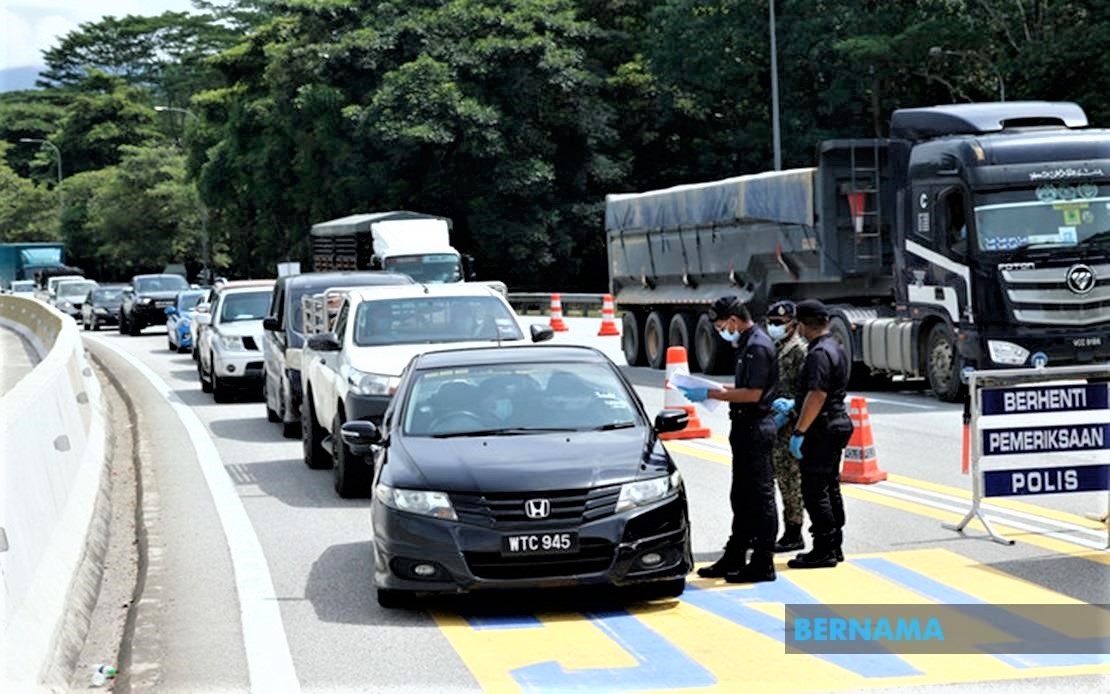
[{"x": 490, "y": 461}]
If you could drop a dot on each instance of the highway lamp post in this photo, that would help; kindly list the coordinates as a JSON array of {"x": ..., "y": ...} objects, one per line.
[
  {"x": 58, "y": 157},
  {"x": 938, "y": 52},
  {"x": 775, "y": 136},
  {"x": 204, "y": 240}
]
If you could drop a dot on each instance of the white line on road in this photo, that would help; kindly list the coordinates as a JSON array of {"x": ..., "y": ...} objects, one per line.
[
  {"x": 901, "y": 403},
  {"x": 269, "y": 662}
]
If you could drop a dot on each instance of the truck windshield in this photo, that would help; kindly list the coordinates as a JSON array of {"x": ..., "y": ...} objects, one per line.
[
  {"x": 41, "y": 256},
  {"x": 439, "y": 268},
  {"x": 434, "y": 319},
  {"x": 1049, "y": 215}
]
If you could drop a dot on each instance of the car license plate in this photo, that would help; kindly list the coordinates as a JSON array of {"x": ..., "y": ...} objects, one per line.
[
  {"x": 1087, "y": 342},
  {"x": 539, "y": 543}
]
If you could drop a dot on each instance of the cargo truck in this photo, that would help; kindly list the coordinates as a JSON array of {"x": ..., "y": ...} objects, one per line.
[
  {"x": 32, "y": 261},
  {"x": 977, "y": 235}
]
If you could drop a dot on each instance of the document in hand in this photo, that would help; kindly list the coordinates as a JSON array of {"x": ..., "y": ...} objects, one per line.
[{"x": 687, "y": 381}]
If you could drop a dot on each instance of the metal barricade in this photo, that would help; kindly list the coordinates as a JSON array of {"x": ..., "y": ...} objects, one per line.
[{"x": 1072, "y": 404}]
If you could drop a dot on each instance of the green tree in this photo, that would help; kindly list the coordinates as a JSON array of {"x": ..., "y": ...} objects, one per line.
[{"x": 28, "y": 211}]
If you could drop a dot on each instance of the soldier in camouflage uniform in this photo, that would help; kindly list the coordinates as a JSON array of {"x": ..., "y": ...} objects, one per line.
[{"x": 791, "y": 350}]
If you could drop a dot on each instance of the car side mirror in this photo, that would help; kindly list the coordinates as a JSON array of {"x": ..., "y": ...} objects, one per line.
[
  {"x": 202, "y": 318},
  {"x": 361, "y": 436},
  {"x": 324, "y": 342},
  {"x": 170, "y": 311},
  {"x": 541, "y": 333},
  {"x": 671, "y": 420},
  {"x": 128, "y": 289},
  {"x": 202, "y": 308},
  {"x": 271, "y": 323}
]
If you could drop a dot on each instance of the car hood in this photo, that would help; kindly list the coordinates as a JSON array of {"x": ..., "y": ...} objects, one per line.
[
  {"x": 531, "y": 462},
  {"x": 243, "y": 328},
  {"x": 391, "y": 360},
  {"x": 159, "y": 296}
]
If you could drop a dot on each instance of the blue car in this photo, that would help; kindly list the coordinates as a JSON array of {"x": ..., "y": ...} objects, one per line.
[{"x": 178, "y": 318}]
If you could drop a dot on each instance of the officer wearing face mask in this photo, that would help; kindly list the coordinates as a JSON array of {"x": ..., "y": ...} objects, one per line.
[
  {"x": 754, "y": 517},
  {"x": 791, "y": 348},
  {"x": 820, "y": 434}
]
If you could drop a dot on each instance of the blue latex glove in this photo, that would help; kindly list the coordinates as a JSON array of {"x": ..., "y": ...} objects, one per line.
[
  {"x": 779, "y": 419},
  {"x": 695, "y": 394},
  {"x": 796, "y": 445},
  {"x": 783, "y": 405}
]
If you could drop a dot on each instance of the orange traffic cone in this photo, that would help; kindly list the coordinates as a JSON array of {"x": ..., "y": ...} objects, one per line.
[
  {"x": 673, "y": 399},
  {"x": 861, "y": 463},
  {"x": 608, "y": 318},
  {"x": 557, "y": 322}
]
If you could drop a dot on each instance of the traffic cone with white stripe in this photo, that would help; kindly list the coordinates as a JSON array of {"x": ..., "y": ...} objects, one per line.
[
  {"x": 861, "y": 462},
  {"x": 557, "y": 322},
  {"x": 608, "y": 318},
  {"x": 673, "y": 399}
]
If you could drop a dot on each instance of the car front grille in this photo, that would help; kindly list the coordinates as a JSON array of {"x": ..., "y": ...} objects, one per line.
[
  {"x": 1040, "y": 296},
  {"x": 593, "y": 556},
  {"x": 506, "y": 509}
]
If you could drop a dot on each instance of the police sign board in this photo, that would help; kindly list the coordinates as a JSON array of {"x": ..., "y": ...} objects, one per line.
[
  {"x": 1046, "y": 480},
  {"x": 1046, "y": 439},
  {"x": 1037, "y": 399}
]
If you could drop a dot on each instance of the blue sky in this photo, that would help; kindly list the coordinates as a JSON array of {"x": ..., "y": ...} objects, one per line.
[{"x": 30, "y": 26}]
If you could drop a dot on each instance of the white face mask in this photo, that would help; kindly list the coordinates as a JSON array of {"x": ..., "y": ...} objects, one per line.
[
  {"x": 728, "y": 336},
  {"x": 777, "y": 332}
]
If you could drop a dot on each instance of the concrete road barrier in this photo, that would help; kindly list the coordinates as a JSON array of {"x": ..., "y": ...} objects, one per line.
[{"x": 53, "y": 458}]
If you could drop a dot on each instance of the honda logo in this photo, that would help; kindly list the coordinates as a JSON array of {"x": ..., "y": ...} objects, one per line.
[
  {"x": 1080, "y": 279},
  {"x": 537, "y": 508}
]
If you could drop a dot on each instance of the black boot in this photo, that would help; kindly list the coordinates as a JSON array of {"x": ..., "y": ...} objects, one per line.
[
  {"x": 838, "y": 540},
  {"x": 791, "y": 539},
  {"x": 731, "y": 560},
  {"x": 822, "y": 556},
  {"x": 760, "y": 569}
]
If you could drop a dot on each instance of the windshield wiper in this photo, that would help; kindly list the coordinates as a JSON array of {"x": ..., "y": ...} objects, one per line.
[
  {"x": 502, "y": 431},
  {"x": 614, "y": 425}
]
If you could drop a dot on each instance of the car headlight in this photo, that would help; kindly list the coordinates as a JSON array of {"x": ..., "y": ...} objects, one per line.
[
  {"x": 230, "y": 343},
  {"x": 66, "y": 305},
  {"x": 146, "y": 301},
  {"x": 645, "y": 492},
  {"x": 100, "y": 311},
  {"x": 371, "y": 384},
  {"x": 1007, "y": 353},
  {"x": 293, "y": 358},
  {"x": 434, "y": 504}
]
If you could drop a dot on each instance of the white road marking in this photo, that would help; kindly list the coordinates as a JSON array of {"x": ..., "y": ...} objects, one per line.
[
  {"x": 269, "y": 662},
  {"x": 901, "y": 403}
]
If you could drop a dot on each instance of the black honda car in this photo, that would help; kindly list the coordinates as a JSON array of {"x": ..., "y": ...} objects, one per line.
[{"x": 522, "y": 467}]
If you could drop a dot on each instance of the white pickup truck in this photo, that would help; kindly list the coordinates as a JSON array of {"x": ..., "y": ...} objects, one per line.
[{"x": 353, "y": 362}]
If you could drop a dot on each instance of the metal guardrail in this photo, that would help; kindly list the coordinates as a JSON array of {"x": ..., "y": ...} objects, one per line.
[{"x": 527, "y": 302}]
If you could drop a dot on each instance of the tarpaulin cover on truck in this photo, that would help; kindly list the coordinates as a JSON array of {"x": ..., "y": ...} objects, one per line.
[
  {"x": 784, "y": 197},
  {"x": 361, "y": 223}
]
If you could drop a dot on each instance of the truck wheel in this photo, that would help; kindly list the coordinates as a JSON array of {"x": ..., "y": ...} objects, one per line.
[
  {"x": 942, "y": 365},
  {"x": 352, "y": 475},
  {"x": 681, "y": 333},
  {"x": 312, "y": 438},
  {"x": 838, "y": 328},
  {"x": 709, "y": 348},
  {"x": 632, "y": 338},
  {"x": 655, "y": 340}
]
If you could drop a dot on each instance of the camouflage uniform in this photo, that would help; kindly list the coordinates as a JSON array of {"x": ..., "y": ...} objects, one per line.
[{"x": 792, "y": 354}]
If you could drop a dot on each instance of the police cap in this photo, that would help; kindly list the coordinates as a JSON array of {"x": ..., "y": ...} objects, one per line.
[
  {"x": 781, "y": 309},
  {"x": 810, "y": 308},
  {"x": 726, "y": 306}
]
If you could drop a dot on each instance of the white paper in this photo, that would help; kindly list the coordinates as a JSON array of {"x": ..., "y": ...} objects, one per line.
[{"x": 687, "y": 381}]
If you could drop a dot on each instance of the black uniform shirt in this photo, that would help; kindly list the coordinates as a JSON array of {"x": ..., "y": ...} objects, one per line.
[
  {"x": 825, "y": 369},
  {"x": 757, "y": 366}
]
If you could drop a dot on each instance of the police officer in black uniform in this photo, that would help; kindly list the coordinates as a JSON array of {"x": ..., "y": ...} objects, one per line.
[
  {"x": 754, "y": 517},
  {"x": 820, "y": 434}
]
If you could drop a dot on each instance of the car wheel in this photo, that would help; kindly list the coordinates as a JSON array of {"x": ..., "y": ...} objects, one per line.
[
  {"x": 271, "y": 413},
  {"x": 312, "y": 438},
  {"x": 134, "y": 328},
  {"x": 169, "y": 343},
  {"x": 289, "y": 430},
  {"x": 393, "y": 599},
  {"x": 220, "y": 391},
  {"x": 352, "y": 475},
  {"x": 95, "y": 324},
  {"x": 205, "y": 384},
  {"x": 196, "y": 353},
  {"x": 84, "y": 324},
  {"x": 122, "y": 324}
]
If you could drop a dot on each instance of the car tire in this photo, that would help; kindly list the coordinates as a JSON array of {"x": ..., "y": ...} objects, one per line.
[
  {"x": 84, "y": 324},
  {"x": 271, "y": 414},
  {"x": 942, "y": 364},
  {"x": 205, "y": 384},
  {"x": 221, "y": 393},
  {"x": 169, "y": 343},
  {"x": 95, "y": 327},
  {"x": 394, "y": 599},
  {"x": 655, "y": 340},
  {"x": 352, "y": 476},
  {"x": 134, "y": 328},
  {"x": 312, "y": 438},
  {"x": 122, "y": 324}
]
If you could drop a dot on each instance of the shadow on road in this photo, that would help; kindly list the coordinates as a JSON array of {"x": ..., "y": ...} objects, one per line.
[
  {"x": 292, "y": 483},
  {"x": 252, "y": 429}
]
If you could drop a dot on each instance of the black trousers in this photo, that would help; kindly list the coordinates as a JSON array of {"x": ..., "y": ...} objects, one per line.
[
  {"x": 755, "y": 520},
  {"x": 820, "y": 465}
]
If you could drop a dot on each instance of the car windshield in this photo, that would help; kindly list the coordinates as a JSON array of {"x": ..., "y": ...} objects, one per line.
[
  {"x": 107, "y": 296},
  {"x": 167, "y": 283},
  {"x": 436, "y": 268},
  {"x": 1049, "y": 215},
  {"x": 516, "y": 399},
  {"x": 74, "y": 290},
  {"x": 186, "y": 302},
  {"x": 244, "y": 306},
  {"x": 434, "y": 319},
  {"x": 23, "y": 286}
]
